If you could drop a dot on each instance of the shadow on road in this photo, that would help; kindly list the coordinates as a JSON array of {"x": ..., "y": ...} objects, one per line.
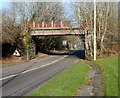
[{"x": 78, "y": 53}]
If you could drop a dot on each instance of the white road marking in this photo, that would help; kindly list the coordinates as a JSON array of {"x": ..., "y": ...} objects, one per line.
[{"x": 33, "y": 69}]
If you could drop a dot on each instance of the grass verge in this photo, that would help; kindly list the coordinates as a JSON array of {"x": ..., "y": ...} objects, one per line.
[
  {"x": 66, "y": 83},
  {"x": 110, "y": 75}
]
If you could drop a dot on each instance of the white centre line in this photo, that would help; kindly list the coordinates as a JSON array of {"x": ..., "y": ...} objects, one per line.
[{"x": 33, "y": 69}]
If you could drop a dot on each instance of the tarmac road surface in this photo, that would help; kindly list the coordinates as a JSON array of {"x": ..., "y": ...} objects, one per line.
[{"x": 20, "y": 80}]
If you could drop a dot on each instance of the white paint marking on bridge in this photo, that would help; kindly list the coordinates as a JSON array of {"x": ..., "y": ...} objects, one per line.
[{"x": 7, "y": 77}]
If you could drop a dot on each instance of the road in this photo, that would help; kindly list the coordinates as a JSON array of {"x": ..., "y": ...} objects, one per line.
[{"x": 19, "y": 80}]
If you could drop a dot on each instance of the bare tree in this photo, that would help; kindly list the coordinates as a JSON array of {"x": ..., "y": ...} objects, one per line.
[
  {"x": 10, "y": 29},
  {"x": 16, "y": 19},
  {"x": 84, "y": 13},
  {"x": 48, "y": 11},
  {"x": 106, "y": 26}
]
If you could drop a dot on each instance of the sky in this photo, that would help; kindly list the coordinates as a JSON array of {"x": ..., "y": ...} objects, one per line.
[{"x": 4, "y": 3}]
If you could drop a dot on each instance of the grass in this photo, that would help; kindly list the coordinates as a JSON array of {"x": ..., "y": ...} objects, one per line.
[
  {"x": 66, "y": 83},
  {"x": 110, "y": 75}
]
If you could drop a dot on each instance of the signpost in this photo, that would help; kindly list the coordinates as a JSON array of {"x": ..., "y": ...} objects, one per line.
[{"x": 64, "y": 42}]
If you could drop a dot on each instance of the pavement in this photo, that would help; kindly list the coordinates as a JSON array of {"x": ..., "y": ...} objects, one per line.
[
  {"x": 18, "y": 80},
  {"x": 95, "y": 86}
]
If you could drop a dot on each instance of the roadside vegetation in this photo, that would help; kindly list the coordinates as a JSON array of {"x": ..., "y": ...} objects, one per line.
[
  {"x": 66, "y": 83},
  {"x": 15, "y": 27},
  {"x": 110, "y": 75},
  {"x": 16, "y": 19}
]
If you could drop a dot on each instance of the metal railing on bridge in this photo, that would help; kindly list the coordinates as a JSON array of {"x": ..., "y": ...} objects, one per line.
[
  {"x": 56, "y": 28},
  {"x": 54, "y": 24}
]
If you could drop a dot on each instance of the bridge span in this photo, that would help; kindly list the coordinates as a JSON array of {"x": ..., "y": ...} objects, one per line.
[{"x": 56, "y": 28}]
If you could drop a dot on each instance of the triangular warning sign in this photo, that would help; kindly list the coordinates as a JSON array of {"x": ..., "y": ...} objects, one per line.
[{"x": 16, "y": 53}]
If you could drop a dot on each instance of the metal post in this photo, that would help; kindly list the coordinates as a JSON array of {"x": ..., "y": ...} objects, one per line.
[
  {"x": 94, "y": 30},
  {"x": 33, "y": 24},
  {"x": 52, "y": 23},
  {"x": 27, "y": 53},
  {"x": 61, "y": 24},
  {"x": 38, "y": 24},
  {"x": 43, "y": 24}
]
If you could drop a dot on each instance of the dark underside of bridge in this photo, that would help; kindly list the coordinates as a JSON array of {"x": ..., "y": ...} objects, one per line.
[{"x": 35, "y": 45}]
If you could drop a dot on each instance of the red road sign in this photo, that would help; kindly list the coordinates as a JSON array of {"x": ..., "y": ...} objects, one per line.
[{"x": 16, "y": 53}]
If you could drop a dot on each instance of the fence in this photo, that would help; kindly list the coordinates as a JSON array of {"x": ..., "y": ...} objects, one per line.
[{"x": 53, "y": 24}]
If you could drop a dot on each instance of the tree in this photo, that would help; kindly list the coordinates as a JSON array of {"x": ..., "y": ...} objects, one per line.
[
  {"x": 48, "y": 11},
  {"x": 84, "y": 13},
  {"x": 16, "y": 19}
]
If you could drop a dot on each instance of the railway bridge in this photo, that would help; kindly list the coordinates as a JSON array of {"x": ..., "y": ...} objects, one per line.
[{"x": 54, "y": 28}]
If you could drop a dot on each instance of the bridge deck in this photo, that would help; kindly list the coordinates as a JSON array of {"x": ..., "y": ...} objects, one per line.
[{"x": 55, "y": 29}]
